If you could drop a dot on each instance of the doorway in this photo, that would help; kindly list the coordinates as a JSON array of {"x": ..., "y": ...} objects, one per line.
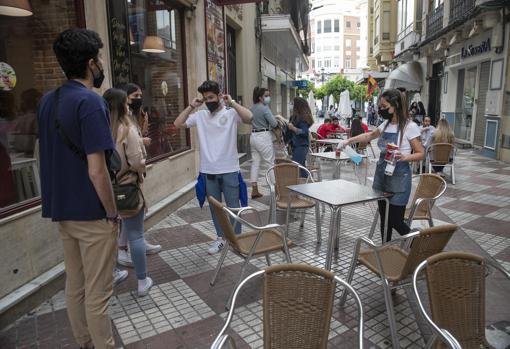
[
  {"x": 465, "y": 105},
  {"x": 434, "y": 107}
]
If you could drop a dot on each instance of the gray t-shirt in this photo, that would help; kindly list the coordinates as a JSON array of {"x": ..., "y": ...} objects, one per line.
[{"x": 262, "y": 117}]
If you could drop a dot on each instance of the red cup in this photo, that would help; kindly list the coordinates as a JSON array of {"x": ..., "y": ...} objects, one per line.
[{"x": 390, "y": 148}]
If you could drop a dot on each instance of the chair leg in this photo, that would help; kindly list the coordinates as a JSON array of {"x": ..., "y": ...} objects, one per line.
[
  {"x": 453, "y": 174},
  {"x": 287, "y": 219},
  {"x": 431, "y": 222},
  {"x": 391, "y": 314},
  {"x": 302, "y": 222},
  {"x": 350, "y": 274},
  {"x": 318, "y": 223},
  {"x": 220, "y": 263},
  {"x": 229, "y": 301},
  {"x": 268, "y": 260}
]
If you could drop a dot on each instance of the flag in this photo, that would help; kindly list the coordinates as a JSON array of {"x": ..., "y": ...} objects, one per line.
[{"x": 372, "y": 86}]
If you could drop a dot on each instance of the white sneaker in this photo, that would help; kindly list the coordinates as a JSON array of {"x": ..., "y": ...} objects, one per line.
[
  {"x": 124, "y": 258},
  {"x": 119, "y": 276},
  {"x": 144, "y": 286},
  {"x": 216, "y": 246},
  {"x": 152, "y": 249}
]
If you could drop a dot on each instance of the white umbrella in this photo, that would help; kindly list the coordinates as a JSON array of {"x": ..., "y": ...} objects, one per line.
[
  {"x": 311, "y": 102},
  {"x": 331, "y": 100},
  {"x": 345, "y": 105}
]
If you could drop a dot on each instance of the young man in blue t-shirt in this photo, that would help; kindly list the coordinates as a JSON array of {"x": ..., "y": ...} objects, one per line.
[{"x": 76, "y": 190}]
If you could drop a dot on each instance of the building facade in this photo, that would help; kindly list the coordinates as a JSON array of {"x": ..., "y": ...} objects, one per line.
[
  {"x": 168, "y": 48},
  {"x": 336, "y": 40},
  {"x": 456, "y": 53},
  {"x": 382, "y": 33}
]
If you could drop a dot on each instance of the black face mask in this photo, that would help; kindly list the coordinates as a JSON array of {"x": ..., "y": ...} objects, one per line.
[
  {"x": 136, "y": 104},
  {"x": 212, "y": 106},
  {"x": 98, "y": 80},
  {"x": 385, "y": 114}
]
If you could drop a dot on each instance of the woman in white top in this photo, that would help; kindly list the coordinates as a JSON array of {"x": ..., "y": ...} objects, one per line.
[{"x": 400, "y": 130}]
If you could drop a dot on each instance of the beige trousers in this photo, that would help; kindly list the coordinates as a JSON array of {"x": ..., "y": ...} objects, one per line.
[{"x": 89, "y": 256}]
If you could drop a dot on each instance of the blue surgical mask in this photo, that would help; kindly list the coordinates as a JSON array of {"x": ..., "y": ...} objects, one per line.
[{"x": 267, "y": 100}]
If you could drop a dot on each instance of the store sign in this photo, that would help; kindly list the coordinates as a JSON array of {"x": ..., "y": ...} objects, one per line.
[
  {"x": 300, "y": 84},
  {"x": 472, "y": 50}
]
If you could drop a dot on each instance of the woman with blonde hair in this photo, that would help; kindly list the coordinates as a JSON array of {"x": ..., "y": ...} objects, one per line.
[
  {"x": 129, "y": 145},
  {"x": 442, "y": 134}
]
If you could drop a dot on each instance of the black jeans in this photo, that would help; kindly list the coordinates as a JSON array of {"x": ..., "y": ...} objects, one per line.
[{"x": 395, "y": 219}]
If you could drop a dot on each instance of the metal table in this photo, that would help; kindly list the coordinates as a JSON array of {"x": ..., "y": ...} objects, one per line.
[
  {"x": 337, "y": 194},
  {"x": 331, "y": 156}
]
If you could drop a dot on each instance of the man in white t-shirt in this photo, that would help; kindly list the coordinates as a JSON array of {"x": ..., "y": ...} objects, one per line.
[{"x": 217, "y": 136}]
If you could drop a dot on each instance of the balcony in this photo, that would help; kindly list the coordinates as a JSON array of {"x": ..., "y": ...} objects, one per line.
[
  {"x": 460, "y": 9},
  {"x": 435, "y": 20}
]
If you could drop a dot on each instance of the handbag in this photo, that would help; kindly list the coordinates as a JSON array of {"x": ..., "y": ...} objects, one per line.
[{"x": 126, "y": 196}]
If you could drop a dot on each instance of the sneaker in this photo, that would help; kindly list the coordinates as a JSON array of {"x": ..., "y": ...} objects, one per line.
[
  {"x": 216, "y": 246},
  {"x": 144, "y": 286},
  {"x": 152, "y": 249},
  {"x": 119, "y": 276},
  {"x": 124, "y": 258}
]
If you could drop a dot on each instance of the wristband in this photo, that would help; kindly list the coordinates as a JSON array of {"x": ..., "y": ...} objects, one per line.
[{"x": 115, "y": 220}]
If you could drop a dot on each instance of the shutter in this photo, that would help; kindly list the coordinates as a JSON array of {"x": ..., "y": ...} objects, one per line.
[{"x": 480, "y": 123}]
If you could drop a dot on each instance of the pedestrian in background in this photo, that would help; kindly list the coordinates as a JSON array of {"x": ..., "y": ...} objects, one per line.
[
  {"x": 261, "y": 141},
  {"x": 442, "y": 134},
  {"x": 405, "y": 134},
  {"x": 217, "y": 136},
  {"x": 76, "y": 189},
  {"x": 129, "y": 145},
  {"x": 299, "y": 124}
]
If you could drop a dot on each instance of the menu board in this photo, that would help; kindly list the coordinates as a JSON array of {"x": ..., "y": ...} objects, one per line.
[
  {"x": 119, "y": 42},
  {"x": 215, "y": 27}
]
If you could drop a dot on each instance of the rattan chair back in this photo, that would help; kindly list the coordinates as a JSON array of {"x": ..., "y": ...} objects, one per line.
[
  {"x": 278, "y": 161},
  {"x": 456, "y": 288},
  {"x": 224, "y": 222},
  {"x": 285, "y": 174},
  {"x": 442, "y": 153},
  {"x": 297, "y": 305},
  {"x": 429, "y": 186},
  {"x": 429, "y": 242}
]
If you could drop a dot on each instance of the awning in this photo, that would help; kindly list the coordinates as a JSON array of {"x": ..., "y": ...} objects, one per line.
[
  {"x": 280, "y": 32},
  {"x": 408, "y": 76}
]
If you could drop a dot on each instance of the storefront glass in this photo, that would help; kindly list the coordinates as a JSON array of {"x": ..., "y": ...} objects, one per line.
[
  {"x": 465, "y": 104},
  {"x": 156, "y": 65},
  {"x": 28, "y": 69}
]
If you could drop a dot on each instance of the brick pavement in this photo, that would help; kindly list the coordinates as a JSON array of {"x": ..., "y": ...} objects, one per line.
[{"x": 183, "y": 311}]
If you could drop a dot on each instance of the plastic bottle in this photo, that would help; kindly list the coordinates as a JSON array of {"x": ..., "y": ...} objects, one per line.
[
  {"x": 390, "y": 166},
  {"x": 351, "y": 153}
]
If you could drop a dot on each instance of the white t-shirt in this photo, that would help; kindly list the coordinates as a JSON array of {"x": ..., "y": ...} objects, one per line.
[
  {"x": 217, "y": 136},
  {"x": 411, "y": 131}
]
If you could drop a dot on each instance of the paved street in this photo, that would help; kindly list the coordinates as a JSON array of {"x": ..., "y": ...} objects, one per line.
[{"x": 183, "y": 311}]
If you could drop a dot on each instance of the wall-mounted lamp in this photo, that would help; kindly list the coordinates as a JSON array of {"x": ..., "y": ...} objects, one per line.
[
  {"x": 15, "y": 8},
  {"x": 153, "y": 44}
]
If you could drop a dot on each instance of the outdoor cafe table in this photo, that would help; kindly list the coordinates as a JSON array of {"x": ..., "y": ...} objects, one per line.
[
  {"x": 331, "y": 156},
  {"x": 337, "y": 194}
]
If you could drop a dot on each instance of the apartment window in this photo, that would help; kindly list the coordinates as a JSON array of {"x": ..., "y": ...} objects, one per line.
[
  {"x": 319, "y": 27},
  {"x": 319, "y": 63},
  {"x": 348, "y": 43},
  {"x": 313, "y": 47},
  {"x": 313, "y": 63},
  {"x": 377, "y": 29},
  {"x": 348, "y": 24},
  {"x": 358, "y": 58},
  {"x": 405, "y": 13},
  {"x": 327, "y": 26},
  {"x": 327, "y": 62},
  {"x": 336, "y": 62},
  {"x": 347, "y": 63},
  {"x": 386, "y": 25},
  {"x": 337, "y": 48},
  {"x": 327, "y": 48},
  {"x": 337, "y": 26},
  {"x": 319, "y": 48},
  {"x": 358, "y": 25}
]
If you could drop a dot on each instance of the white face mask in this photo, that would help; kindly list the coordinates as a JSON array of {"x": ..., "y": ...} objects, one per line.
[{"x": 267, "y": 100}]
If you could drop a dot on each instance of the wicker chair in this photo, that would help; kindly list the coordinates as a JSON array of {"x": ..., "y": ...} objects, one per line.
[
  {"x": 262, "y": 240},
  {"x": 297, "y": 307},
  {"x": 430, "y": 188},
  {"x": 442, "y": 154},
  {"x": 456, "y": 288},
  {"x": 282, "y": 198},
  {"x": 395, "y": 265}
]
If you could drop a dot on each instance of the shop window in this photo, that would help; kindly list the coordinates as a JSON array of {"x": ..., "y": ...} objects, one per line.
[
  {"x": 28, "y": 69},
  {"x": 156, "y": 65}
]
